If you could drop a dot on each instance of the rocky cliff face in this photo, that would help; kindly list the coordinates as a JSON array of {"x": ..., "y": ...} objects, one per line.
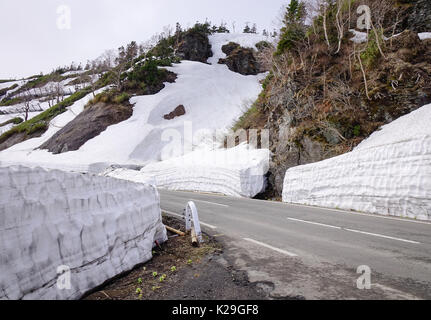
[
  {"x": 194, "y": 46},
  {"x": 242, "y": 60},
  {"x": 321, "y": 113},
  {"x": 398, "y": 84},
  {"x": 87, "y": 125},
  {"x": 417, "y": 16}
]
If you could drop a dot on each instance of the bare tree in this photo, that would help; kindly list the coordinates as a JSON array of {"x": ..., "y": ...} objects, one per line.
[{"x": 26, "y": 97}]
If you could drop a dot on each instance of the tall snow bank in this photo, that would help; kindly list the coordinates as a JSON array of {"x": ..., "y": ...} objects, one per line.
[
  {"x": 238, "y": 172},
  {"x": 96, "y": 226},
  {"x": 389, "y": 173}
]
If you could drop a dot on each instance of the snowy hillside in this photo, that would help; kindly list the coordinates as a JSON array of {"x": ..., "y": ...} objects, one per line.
[
  {"x": 213, "y": 97},
  {"x": 98, "y": 227},
  {"x": 40, "y": 99},
  {"x": 389, "y": 173}
]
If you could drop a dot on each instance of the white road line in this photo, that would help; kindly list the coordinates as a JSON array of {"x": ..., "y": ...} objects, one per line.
[
  {"x": 315, "y": 223},
  {"x": 217, "y": 204},
  {"x": 355, "y": 213},
  {"x": 382, "y": 236},
  {"x": 290, "y": 254},
  {"x": 353, "y": 230},
  {"x": 181, "y": 216}
]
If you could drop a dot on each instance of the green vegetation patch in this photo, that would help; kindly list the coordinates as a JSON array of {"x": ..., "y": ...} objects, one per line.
[
  {"x": 5, "y": 90},
  {"x": 10, "y": 102},
  {"x": 110, "y": 97},
  {"x": 41, "y": 121},
  {"x": 16, "y": 120},
  {"x": 372, "y": 53}
]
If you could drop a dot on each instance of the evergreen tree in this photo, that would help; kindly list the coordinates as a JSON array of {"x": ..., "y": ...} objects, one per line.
[
  {"x": 178, "y": 29},
  {"x": 294, "y": 27},
  {"x": 254, "y": 28},
  {"x": 222, "y": 28},
  {"x": 246, "y": 28}
]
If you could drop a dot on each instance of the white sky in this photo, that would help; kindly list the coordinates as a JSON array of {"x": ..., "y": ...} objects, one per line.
[{"x": 32, "y": 43}]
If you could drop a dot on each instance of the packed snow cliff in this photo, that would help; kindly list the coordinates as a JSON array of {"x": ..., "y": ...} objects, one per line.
[
  {"x": 389, "y": 173},
  {"x": 238, "y": 172},
  {"x": 52, "y": 221}
]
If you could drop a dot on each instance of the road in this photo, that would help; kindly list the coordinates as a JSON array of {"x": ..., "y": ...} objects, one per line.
[{"x": 314, "y": 253}]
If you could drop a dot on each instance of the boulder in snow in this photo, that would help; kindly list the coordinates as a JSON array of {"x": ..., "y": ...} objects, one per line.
[{"x": 178, "y": 112}]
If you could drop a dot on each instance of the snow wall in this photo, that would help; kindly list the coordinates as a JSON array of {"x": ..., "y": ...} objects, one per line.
[
  {"x": 389, "y": 173},
  {"x": 97, "y": 227},
  {"x": 238, "y": 172}
]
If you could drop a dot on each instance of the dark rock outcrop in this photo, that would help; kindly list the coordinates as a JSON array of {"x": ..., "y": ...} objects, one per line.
[
  {"x": 87, "y": 125},
  {"x": 417, "y": 17},
  {"x": 194, "y": 46},
  {"x": 240, "y": 60},
  {"x": 229, "y": 48},
  {"x": 159, "y": 85},
  {"x": 178, "y": 112}
]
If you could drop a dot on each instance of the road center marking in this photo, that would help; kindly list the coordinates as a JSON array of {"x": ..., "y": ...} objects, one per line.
[
  {"x": 290, "y": 254},
  {"x": 181, "y": 216},
  {"x": 315, "y": 223},
  {"x": 382, "y": 236},
  {"x": 355, "y": 213},
  {"x": 353, "y": 230},
  {"x": 216, "y": 204}
]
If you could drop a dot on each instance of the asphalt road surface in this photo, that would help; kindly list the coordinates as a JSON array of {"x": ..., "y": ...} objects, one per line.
[{"x": 314, "y": 253}]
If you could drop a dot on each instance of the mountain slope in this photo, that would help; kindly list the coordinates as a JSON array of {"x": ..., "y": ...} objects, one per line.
[{"x": 212, "y": 95}]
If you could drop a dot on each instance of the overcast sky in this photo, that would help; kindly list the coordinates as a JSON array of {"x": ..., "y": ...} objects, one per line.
[{"x": 32, "y": 42}]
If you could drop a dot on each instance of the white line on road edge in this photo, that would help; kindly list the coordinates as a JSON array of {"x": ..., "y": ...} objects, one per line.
[
  {"x": 316, "y": 223},
  {"x": 356, "y": 231},
  {"x": 290, "y": 254},
  {"x": 217, "y": 204},
  {"x": 355, "y": 213},
  {"x": 181, "y": 216},
  {"x": 382, "y": 236}
]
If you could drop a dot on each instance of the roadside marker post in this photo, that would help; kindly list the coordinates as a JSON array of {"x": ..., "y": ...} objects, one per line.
[{"x": 191, "y": 215}]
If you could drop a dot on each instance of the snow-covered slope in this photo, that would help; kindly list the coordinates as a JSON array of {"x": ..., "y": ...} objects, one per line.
[
  {"x": 26, "y": 153},
  {"x": 5, "y": 85},
  {"x": 39, "y": 96},
  {"x": 213, "y": 97},
  {"x": 239, "y": 172},
  {"x": 389, "y": 173},
  {"x": 96, "y": 226}
]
